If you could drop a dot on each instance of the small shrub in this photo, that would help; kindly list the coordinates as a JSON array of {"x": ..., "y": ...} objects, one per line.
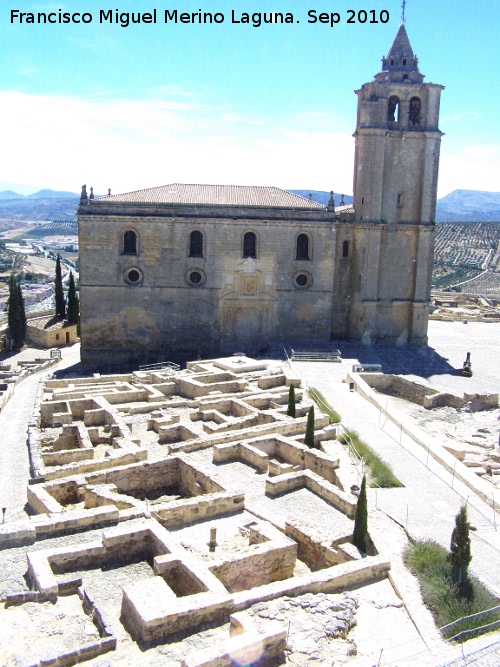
[
  {"x": 445, "y": 598},
  {"x": 324, "y": 406},
  {"x": 423, "y": 555},
  {"x": 380, "y": 472}
]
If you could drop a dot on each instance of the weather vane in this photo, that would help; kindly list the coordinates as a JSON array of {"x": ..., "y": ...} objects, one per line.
[{"x": 403, "y": 7}]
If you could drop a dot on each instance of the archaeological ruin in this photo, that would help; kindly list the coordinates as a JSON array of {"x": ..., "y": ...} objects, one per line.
[{"x": 165, "y": 502}]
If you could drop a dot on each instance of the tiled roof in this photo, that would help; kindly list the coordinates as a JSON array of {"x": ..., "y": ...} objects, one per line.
[
  {"x": 348, "y": 208},
  {"x": 48, "y": 323},
  {"x": 215, "y": 195}
]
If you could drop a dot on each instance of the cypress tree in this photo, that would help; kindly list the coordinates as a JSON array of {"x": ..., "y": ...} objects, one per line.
[
  {"x": 360, "y": 534},
  {"x": 22, "y": 311},
  {"x": 16, "y": 314},
  {"x": 309, "y": 439},
  {"x": 58, "y": 291},
  {"x": 460, "y": 551},
  {"x": 73, "y": 302},
  {"x": 291, "y": 402}
]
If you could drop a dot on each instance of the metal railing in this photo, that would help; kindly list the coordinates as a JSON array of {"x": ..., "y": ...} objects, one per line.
[
  {"x": 315, "y": 355},
  {"x": 472, "y": 631},
  {"x": 163, "y": 365}
]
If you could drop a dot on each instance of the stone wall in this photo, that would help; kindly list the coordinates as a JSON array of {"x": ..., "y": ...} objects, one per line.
[
  {"x": 344, "y": 502},
  {"x": 316, "y": 548},
  {"x": 269, "y": 562},
  {"x": 398, "y": 386},
  {"x": 181, "y": 512},
  {"x": 248, "y": 301}
]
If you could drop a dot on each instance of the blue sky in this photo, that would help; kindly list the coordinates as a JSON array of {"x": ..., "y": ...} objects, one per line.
[{"x": 128, "y": 108}]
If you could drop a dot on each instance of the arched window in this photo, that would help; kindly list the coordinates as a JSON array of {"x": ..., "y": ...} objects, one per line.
[
  {"x": 414, "y": 113},
  {"x": 393, "y": 108},
  {"x": 250, "y": 245},
  {"x": 130, "y": 243},
  {"x": 196, "y": 244},
  {"x": 345, "y": 249},
  {"x": 302, "y": 249}
]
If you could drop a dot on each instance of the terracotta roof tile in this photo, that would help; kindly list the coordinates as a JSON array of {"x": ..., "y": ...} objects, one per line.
[{"x": 215, "y": 195}]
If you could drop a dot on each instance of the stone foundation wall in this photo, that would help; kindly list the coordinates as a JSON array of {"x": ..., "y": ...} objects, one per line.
[
  {"x": 273, "y": 560},
  {"x": 195, "y": 482},
  {"x": 441, "y": 400},
  {"x": 478, "y": 402},
  {"x": 122, "y": 458},
  {"x": 286, "y": 483},
  {"x": 180, "y": 512},
  {"x": 270, "y": 381},
  {"x": 398, "y": 386},
  {"x": 194, "y": 386},
  {"x": 316, "y": 551},
  {"x": 241, "y": 649},
  {"x": 144, "y": 476}
]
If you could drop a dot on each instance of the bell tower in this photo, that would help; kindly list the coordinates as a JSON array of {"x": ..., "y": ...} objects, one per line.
[
  {"x": 397, "y": 141},
  {"x": 395, "y": 188}
]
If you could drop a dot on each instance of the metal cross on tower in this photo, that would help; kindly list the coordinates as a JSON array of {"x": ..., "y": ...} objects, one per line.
[{"x": 403, "y": 7}]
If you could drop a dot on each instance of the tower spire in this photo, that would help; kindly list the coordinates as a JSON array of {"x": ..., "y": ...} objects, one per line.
[{"x": 401, "y": 64}]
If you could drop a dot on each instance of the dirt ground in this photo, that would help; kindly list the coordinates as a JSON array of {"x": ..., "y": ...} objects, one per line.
[{"x": 39, "y": 265}]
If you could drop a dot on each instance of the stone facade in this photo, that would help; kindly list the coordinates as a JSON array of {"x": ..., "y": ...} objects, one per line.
[
  {"x": 51, "y": 332},
  {"x": 183, "y": 271}
]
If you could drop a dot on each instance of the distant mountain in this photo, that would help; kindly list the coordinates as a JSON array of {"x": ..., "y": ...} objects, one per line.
[
  {"x": 458, "y": 206},
  {"x": 321, "y": 197},
  {"x": 469, "y": 206},
  {"x": 52, "y": 194},
  {"x": 53, "y": 205},
  {"x": 48, "y": 205},
  {"x": 10, "y": 194}
]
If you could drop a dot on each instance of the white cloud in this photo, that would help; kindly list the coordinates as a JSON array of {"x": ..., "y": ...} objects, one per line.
[
  {"x": 173, "y": 89},
  {"x": 64, "y": 141},
  {"x": 129, "y": 144},
  {"x": 237, "y": 118},
  {"x": 463, "y": 116}
]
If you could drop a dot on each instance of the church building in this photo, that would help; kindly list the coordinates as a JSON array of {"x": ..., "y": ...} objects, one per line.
[{"x": 181, "y": 271}]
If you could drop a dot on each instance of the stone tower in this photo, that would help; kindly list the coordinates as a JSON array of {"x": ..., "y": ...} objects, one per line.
[{"x": 395, "y": 187}]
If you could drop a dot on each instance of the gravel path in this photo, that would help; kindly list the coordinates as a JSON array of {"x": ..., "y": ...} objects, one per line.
[{"x": 14, "y": 460}]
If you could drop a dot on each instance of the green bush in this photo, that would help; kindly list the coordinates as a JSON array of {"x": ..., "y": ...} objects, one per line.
[
  {"x": 430, "y": 563},
  {"x": 380, "y": 473},
  {"x": 425, "y": 554},
  {"x": 324, "y": 406}
]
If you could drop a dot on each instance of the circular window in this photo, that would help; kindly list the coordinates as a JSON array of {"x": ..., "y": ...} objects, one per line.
[
  {"x": 302, "y": 280},
  {"x": 195, "y": 277},
  {"x": 133, "y": 276}
]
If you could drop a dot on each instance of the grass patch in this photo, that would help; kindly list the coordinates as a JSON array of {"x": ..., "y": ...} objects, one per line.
[
  {"x": 380, "y": 473},
  {"x": 429, "y": 562},
  {"x": 324, "y": 406}
]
